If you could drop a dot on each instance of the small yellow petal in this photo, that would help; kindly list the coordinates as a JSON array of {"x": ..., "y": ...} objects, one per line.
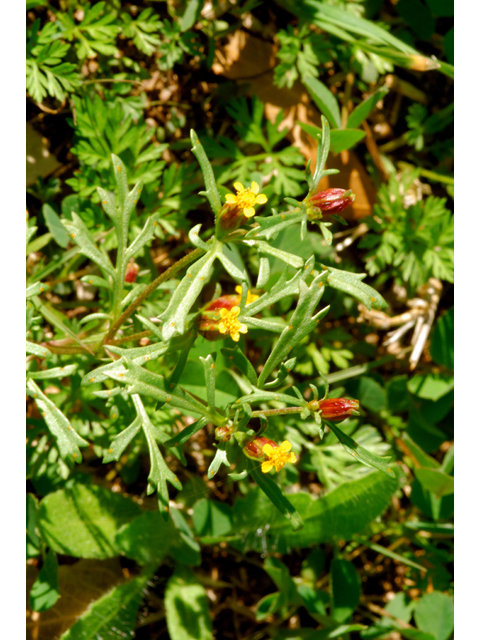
[
  {"x": 235, "y": 311},
  {"x": 291, "y": 457},
  {"x": 243, "y": 328},
  {"x": 268, "y": 449},
  {"x": 266, "y": 466},
  {"x": 248, "y": 212},
  {"x": 230, "y": 198},
  {"x": 222, "y": 328},
  {"x": 235, "y": 336},
  {"x": 261, "y": 199},
  {"x": 238, "y": 289},
  {"x": 223, "y": 312},
  {"x": 255, "y": 188},
  {"x": 285, "y": 446},
  {"x": 239, "y": 187}
]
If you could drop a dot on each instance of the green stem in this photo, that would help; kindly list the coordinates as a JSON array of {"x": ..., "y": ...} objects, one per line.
[
  {"x": 276, "y": 412},
  {"x": 166, "y": 275}
]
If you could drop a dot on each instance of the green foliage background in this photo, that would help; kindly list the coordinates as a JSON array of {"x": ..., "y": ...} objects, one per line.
[{"x": 374, "y": 555}]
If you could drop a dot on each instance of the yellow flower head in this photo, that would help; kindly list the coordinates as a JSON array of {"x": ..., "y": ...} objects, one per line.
[
  {"x": 247, "y": 198},
  {"x": 251, "y": 297},
  {"x": 278, "y": 456},
  {"x": 230, "y": 324}
]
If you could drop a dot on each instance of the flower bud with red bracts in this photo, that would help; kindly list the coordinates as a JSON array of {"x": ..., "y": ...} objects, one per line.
[
  {"x": 131, "y": 272},
  {"x": 223, "y": 433},
  {"x": 254, "y": 449},
  {"x": 338, "y": 409},
  {"x": 332, "y": 200}
]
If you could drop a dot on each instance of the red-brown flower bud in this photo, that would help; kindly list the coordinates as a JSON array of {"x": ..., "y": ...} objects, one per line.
[
  {"x": 223, "y": 433},
  {"x": 332, "y": 200},
  {"x": 337, "y": 409},
  {"x": 131, "y": 272},
  {"x": 254, "y": 449}
]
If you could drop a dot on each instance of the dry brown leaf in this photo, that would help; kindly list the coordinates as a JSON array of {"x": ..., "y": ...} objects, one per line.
[
  {"x": 249, "y": 59},
  {"x": 80, "y": 584}
]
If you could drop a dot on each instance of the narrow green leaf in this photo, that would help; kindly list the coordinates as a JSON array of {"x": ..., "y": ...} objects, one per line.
[
  {"x": 363, "y": 110},
  {"x": 395, "y": 556},
  {"x": 352, "y": 284},
  {"x": 362, "y": 455},
  {"x": 441, "y": 345},
  {"x": 241, "y": 361},
  {"x": 44, "y": 592},
  {"x": 209, "y": 368},
  {"x": 275, "y": 494},
  {"x": 325, "y": 101},
  {"x": 301, "y": 324},
  {"x": 219, "y": 459},
  {"x": 236, "y": 273},
  {"x": 208, "y": 176},
  {"x": 39, "y": 243},
  {"x": 145, "y": 235},
  {"x": 185, "y": 295},
  {"x": 36, "y": 289},
  {"x": 33, "y": 539},
  {"x": 68, "y": 440},
  {"x": 263, "y": 272},
  {"x": 82, "y": 237},
  {"x": 263, "y": 247},
  {"x": 270, "y": 226},
  {"x": 38, "y": 350},
  {"x": 56, "y": 372},
  {"x": 186, "y": 434},
  {"x": 121, "y": 441},
  {"x": 96, "y": 281}
]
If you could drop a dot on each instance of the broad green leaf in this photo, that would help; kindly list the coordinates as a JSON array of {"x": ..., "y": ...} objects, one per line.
[
  {"x": 363, "y": 110},
  {"x": 192, "y": 12},
  {"x": 434, "y": 614},
  {"x": 363, "y": 455},
  {"x": 339, "y": 515},
  {"x": 325, "y": 101},
  {"x": 44, "y": 592},
  {"x": 345, "y": 589},
  {"x": 352, "y": 284},
  {"x": 33, "y": 539},
  {"x": 431, "y": 386},
  {"x": 343, "y": 139},
  {"x": 185, "y": 295},
  {"x": 55, "y": 226},
  {"x": 147, "y": 538},
  {"x": 113, "y": 615},
  {"x": 275, "y": 494},
  {"x": 212, "y": 518},
  {"x": 441, "y": 345},
  {"x": 39, "y": 243},
  {"x": 436, "y": 481},
  {"x": 67, "y": 439},
  {"x": 83, "y": 521},
  {"x": 186, "y": 606}
]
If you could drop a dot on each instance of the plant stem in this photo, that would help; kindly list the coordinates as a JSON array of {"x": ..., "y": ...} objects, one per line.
[
  {"x": 166, "y": 275},
  {"x": 276, "y": 412}
]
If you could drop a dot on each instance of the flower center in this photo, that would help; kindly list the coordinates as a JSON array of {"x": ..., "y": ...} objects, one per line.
[{"x": 246, "y": 199}]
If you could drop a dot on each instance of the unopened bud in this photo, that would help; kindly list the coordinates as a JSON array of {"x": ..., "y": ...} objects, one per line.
[
  {"x": 131, "y": 272},
  {"x": 223, "y": 433},
  {"x": 254, "y": 449},
  {"x": 337, "y": 409},
  {"x": 332, "y": 200}
]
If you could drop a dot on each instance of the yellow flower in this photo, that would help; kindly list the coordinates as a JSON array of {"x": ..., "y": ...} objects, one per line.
[
  {"x": 251, "y": 297},
  {"x": 247, "y": 198},
  {"x": 229, "y": 323},
  {"x": 278, "y": 456}
]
